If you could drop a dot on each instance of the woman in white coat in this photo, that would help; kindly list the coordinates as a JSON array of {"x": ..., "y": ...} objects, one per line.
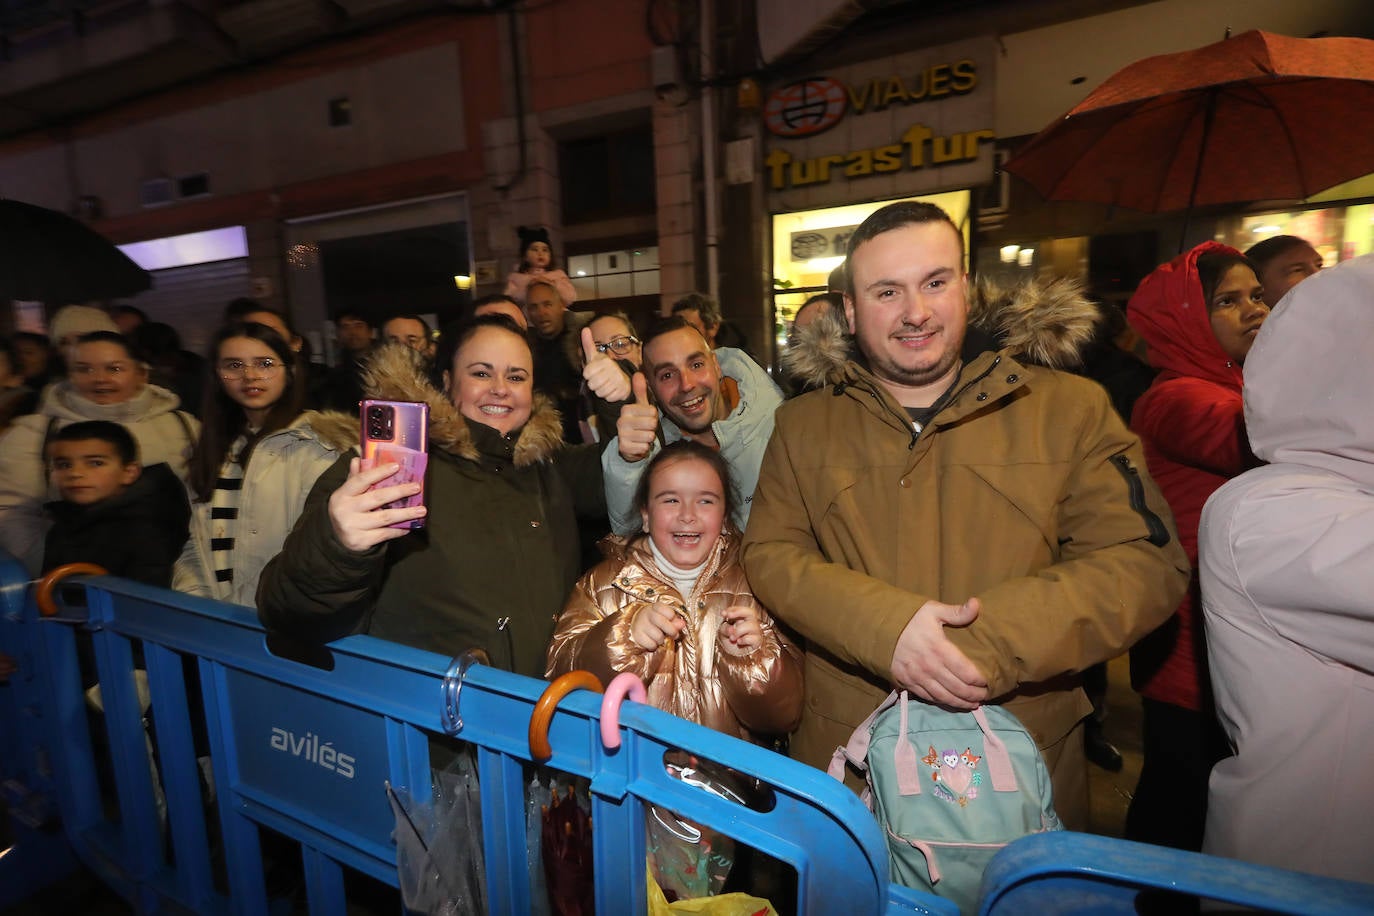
[
  {"x": 106, "y": 380},
  {"x": 258, "y": 456},
  {"x": 1287, "y": 568}
]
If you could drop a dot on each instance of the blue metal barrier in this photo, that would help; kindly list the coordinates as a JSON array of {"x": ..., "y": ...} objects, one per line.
[
  {"x": 1066, "y": 872},
  {"x": 305, "y": 750}
]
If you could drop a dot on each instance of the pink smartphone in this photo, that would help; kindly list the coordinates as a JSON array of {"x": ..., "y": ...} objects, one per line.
[{"x": 398, "y": 431}]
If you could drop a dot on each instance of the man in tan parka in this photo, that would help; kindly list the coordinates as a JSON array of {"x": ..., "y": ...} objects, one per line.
[{"x": 946, "y": 516}]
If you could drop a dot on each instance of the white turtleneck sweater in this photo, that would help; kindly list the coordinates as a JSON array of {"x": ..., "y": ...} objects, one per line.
[{"x": 684, "y": 580}]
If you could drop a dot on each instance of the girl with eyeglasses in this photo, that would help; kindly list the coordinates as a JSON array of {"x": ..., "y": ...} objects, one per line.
[
  {"x": 259, "y": 454},
  {"x": 107, "y": 379}
]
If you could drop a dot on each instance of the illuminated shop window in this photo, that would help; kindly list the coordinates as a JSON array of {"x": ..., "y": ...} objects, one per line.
[
  {"x": 615, "y": 274},
  {"x": 809, "y": 244},
  {"x": 1337, "y": 233}
]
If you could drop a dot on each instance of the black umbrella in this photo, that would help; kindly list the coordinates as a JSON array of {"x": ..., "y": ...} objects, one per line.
[{"x": 50, "y": 257}]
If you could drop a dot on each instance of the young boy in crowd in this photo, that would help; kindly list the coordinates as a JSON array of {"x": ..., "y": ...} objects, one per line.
[{"x": 131, "y": 520}]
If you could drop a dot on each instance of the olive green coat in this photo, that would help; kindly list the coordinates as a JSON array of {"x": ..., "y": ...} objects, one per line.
[{"x": 491, "y": 568}]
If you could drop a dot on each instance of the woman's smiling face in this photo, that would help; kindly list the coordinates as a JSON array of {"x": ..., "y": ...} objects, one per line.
[{"x": 492, "y": 380}]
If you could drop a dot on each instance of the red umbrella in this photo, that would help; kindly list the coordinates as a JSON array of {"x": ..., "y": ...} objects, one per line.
[{"x": 1254, "y": 117}]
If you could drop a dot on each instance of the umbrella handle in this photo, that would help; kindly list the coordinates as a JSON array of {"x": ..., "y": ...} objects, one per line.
[
  {"x": 548, "y": 701},
  {"x": 42, "y": 595},
  {"x": 626, "y": 682}
]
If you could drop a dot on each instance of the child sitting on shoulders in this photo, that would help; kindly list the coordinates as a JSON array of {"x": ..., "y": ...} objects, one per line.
[{"x": 536, "y": 262}]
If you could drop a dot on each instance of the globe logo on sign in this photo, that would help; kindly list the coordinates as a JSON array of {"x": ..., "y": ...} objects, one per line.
[{"x": 805, "y": 107}]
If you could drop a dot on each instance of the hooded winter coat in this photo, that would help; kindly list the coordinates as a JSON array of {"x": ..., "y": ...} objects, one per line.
[
  {"x": 1023, "y": 489},
  {"x": 1191, "y": 425},
  {"x": 753, "y": 696},
  {"x": 136, "y": 534},
  {"x": 491, "y": 568},
  {"x": 1286, "y": 584},
  {"x": 282, "y": 468},
  {"x": 165, "y": 435}
]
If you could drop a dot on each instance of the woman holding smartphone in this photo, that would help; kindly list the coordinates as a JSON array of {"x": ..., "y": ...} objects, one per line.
[
  {"x": 258, "y": 455},
  {"x": 499, "y": 549}
]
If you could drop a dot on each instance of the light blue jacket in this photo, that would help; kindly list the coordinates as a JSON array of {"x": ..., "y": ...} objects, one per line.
[{"x": 742, "y": 436}]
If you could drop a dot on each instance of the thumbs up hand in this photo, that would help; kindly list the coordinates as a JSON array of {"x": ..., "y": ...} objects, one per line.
[
  {"x": 603, "y": 376},
  {"x": 638, "y": 423}
]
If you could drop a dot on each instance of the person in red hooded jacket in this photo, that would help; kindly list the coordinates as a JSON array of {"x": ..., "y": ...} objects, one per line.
[{"x": 1198, "y": 314}]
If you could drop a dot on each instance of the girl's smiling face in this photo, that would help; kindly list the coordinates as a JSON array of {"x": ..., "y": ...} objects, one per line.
[{"x": 686, "y": 511}]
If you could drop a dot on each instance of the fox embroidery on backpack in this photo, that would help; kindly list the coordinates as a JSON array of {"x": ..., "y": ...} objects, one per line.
[{"x": 955, "y": 775}]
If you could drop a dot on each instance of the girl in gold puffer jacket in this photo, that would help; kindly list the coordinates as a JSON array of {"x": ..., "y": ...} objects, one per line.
[{"x": 673, "y": 606}]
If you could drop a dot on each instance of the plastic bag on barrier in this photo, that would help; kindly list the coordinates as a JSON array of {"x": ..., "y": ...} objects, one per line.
[
  {"x": 439, "y": 856},
  {"x": 687, "y": 859},
  {"x": 724, "y": 905},
  {"x": 537, "y": 799}
]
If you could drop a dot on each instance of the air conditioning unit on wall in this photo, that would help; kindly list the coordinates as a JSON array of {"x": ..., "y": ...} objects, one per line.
[{"x": 158, "y": 192}]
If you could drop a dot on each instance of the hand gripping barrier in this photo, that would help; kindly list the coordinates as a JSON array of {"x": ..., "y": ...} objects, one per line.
[{"x": 307, "y": 749}]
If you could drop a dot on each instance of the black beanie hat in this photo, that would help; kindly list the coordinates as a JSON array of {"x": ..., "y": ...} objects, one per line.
[{"x": 531, "y": 234}]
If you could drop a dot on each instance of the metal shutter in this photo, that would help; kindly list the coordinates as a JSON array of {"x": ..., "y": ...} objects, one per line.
[{"x": 192, "y": 299}]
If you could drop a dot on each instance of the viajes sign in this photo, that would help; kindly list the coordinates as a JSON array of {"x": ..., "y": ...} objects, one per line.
[{"x": 913, "y": 123}]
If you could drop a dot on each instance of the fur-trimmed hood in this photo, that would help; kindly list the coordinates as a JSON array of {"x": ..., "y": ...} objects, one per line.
[
  {"x": 395, "y": 373},
  {"x": 1043, "y": 322},
  {"x": 337, "y": 430}
]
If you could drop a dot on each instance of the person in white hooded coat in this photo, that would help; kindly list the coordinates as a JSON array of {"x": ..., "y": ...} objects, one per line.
[
  {"x": 259, "y": 454},
  {"x": 106, "y": 380},
  {"x": 1287, "y": 578}
]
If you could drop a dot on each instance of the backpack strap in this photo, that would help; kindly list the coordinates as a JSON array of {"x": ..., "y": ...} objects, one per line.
[
  {"x": 999, "y": 761},
  {"x": 904, "y": 756},
  {"x": 856, "y": 750}
]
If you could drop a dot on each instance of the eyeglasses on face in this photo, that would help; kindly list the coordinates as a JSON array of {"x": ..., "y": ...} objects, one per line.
[
  {"x": 263, "y": 367},
  {"x": 618, "y": 345}
]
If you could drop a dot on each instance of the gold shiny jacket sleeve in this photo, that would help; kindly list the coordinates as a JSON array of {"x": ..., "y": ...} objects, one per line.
[
  {"x": 764, "y": 688},
  {"x": 593, "y": 632}
]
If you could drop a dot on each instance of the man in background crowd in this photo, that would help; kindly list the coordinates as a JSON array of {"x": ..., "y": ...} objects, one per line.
[
  {"x": 1283, "y": 262},
  {"x": 410, "y": 331},
  {"x": 343, "y": 388},
  {"x": 556, "y": 341}
]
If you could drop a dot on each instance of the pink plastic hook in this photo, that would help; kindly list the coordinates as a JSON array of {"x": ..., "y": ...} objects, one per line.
[{"x": 626, "y": 682}]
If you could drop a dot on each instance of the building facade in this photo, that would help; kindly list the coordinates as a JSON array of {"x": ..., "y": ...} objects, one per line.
[{"x": 380, "y": 156}]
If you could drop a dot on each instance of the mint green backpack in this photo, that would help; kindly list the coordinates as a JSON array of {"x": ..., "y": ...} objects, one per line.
[{"x": 949, "y": 789}]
